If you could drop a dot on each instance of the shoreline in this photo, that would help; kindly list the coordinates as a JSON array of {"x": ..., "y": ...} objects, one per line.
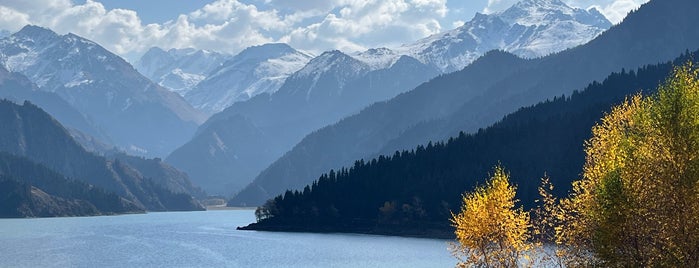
[
  {"x": 224, "y": 207},
  {"x": 409, "y": 232}
]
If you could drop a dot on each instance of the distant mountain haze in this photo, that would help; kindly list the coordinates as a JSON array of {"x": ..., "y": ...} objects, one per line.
[
  {"x": 256, "y": 70},
  {"x": 17, "y": 88},
  {"x": 528, "y": 29},
  {"x": 414, "y": 192},
  {"x": 31, "y": 133},
  {"x": 29, "y": 189},
  {"x": 136, "y": 114},
  {"x": 234, "y": 145},
  {"x": 479, "y": 95},
  {"x": 179, "y": 70},
  {"x": 334, "y": 85}
]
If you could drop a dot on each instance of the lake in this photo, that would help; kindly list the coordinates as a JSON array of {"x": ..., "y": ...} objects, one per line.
[{"x": 200, "y": 239}]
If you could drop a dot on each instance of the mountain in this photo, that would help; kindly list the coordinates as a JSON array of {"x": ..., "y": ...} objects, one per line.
[
  {"x": 335, "y": 85},
  {"x": 255, "y": 70},
  {"x": 528, "y": 29},
  {"x": 160, "y": 173},
  {"x": 104, "y": 86},
  {"x": 414, "y": 192},
  {"x": 31, "y": 133},
  {"x": 234, "y": 145},
  {"x": 494, "y": 85},
  {"x": 17, "y": 88},
  {"x": 179, "y": 70},
  {"x": 29, "y": 189}
]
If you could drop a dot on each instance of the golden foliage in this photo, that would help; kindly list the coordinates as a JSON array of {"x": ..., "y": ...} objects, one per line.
[
  {"x": 638, "y": 202},
  {"x": 490, "y": 231}
]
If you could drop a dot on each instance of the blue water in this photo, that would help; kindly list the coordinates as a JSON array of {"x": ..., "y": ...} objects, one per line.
[{"x": 200, "y": 239}]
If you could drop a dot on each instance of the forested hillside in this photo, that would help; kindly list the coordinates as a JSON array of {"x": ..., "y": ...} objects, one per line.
[
  {"x": 414, "y": 192},
  {"x": 30, "y": 132},
  {"x": 33, "y": 190}
]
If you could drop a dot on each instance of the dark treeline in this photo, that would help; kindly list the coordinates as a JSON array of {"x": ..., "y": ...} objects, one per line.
[
  {"x": 29, "y": 132},
  {"x": 414, "y": 192},
  {"x": 19, "y": 175}
]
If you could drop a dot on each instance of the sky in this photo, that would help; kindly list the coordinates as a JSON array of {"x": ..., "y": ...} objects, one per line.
[{"x": 131, "y": 27}]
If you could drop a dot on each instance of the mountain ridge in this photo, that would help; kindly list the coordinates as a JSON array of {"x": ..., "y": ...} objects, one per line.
[
  {"x": 104, "y": 86},
  {"x": 470, "y": 99}
]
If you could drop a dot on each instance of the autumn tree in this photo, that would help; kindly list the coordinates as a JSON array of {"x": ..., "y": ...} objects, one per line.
[
  {"x": 638, "y": 201},
  {"x": 490, "y": 231}
]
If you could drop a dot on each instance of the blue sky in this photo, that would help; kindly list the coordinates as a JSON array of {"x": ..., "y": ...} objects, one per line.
[{"x": 130, "y": 27}]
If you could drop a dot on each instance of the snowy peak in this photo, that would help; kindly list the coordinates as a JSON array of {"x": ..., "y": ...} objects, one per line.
[
  {"x": 544, "y": 12},
  {"x": 53, "y": 61},
  {"x": 378, "y": 58},
  {"x": 530, "y": 28},
  {"x": 33, "y": 31},
  {"x": 332, "y": 70},
  {"x": 102, "y": 85},
  {"x": 179, "y": 70},
  {"x": 333, "y": 61},
  {"x": 255, "y": 70},
  {"x": 266, "y": 51}
]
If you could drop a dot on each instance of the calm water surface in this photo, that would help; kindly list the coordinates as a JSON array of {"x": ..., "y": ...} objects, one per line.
[{"x": 200, "y": 239}]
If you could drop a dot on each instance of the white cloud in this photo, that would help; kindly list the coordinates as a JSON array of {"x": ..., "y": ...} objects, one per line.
[
  {"x": 224, "y": 25},
  {"x": 10, "y": 19},
  {"x": 614, "y": 10},
  {"x": 369, "y": 23},
  {"x": 498, "y": 5},
  {"x": 230, "y": 25}
]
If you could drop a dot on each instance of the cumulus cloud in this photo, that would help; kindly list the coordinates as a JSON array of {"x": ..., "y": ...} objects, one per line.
[
  {"x": 615, "y": 10},
  {"x": 230, "y": 25},
  {"x": 11, "y": 19},
  {"x": 498, "y": 5},
  {"x": 224, "y": 25},
  {"x": 361, "y": 24}
]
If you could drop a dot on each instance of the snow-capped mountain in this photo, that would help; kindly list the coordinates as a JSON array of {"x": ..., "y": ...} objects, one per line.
[
  {"x": 102, "y": 86},
  {"x": 479, "y": 95},
  {"x": 377, "y": 58},
  {"x": 179, "y": 70},
  {"x": 529, "y": 29},
  {"x": 255, "y": 70},
  {"x": 330, "y": 70},
  {"x": 335, "y": 85},
  {"x": 234, "y": 145}
]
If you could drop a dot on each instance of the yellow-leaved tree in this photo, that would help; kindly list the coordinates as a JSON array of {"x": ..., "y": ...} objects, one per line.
[
  {"x": 637, "y": 204},
  {"x": 490, "y": 231}
]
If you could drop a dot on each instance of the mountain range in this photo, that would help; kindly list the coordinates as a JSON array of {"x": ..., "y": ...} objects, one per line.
[
  {"x": 232, "y": 146},
  {"x": 179, "y": 70},
  {"x": 235, "y": 145},
  {"x": 478, "y": 95},
  {"x": 28, "y": 189},
  {"x": 29, "y": 132},
  {"x": 528, "y": 29},
  {"x": 414, "y": 192},
  {"x": 134, "y": 113}
]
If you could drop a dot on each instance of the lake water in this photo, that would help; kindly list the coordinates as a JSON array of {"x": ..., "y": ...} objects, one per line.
[{"x": 200, "y": 239}]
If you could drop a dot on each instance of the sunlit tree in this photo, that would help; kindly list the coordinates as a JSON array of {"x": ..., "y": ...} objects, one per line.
[
  {"x": 638, "y": 202},
  {"x": 490, "y": 230}
]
